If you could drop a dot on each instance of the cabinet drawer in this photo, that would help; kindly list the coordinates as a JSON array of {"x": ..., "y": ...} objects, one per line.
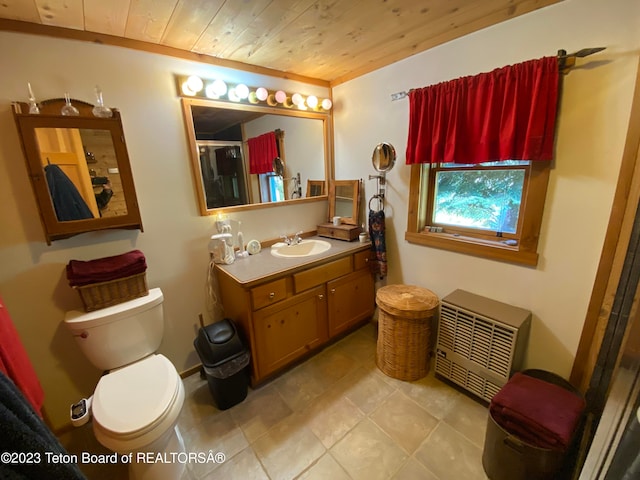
[
  {"x": 362, "y": 259},
  {"x": 322, "y": 274},
  {"x": 269, "y": 293}
]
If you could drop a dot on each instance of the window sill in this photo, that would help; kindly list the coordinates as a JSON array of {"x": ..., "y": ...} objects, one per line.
[{"x": 473, "y": 246}]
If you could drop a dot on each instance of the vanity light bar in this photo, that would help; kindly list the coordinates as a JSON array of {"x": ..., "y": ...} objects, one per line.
[{"x": 194, "y": 86}]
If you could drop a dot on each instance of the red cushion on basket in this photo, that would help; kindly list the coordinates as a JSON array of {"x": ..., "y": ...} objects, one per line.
[
  {"x": 105, "y": 269},
  {"x": 541, "y": 413}
]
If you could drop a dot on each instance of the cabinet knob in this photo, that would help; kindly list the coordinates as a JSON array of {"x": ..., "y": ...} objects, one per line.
[
  {"x": 320, "y": 297},
  {"x": 272, "y": 295},
  {"x": 366, "y": 260},
  {"x": 333, "y": 290},
  {"x": 281, "y": 322}
]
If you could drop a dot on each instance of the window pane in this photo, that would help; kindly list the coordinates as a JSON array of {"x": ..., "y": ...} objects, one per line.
[
  {"x": 483, "y": 199},
  {"x": 276, "y": 188}
]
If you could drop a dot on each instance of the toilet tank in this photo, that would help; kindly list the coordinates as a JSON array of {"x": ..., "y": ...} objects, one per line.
[{"x": 121, "y": 334}]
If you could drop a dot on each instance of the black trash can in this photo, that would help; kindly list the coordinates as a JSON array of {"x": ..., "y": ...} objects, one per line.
[{"x": 224, "y": 359}]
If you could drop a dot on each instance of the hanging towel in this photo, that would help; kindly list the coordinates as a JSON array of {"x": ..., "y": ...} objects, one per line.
[
  {"x": 15, "y": 363},
  {"x": 376, "y": 232},
  {"x": 67, "y": 201},
  {"x": 24, "y": 432},
  {"x": 105, "y": 269}
]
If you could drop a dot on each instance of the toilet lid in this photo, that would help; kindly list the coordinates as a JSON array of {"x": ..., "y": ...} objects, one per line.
[{"x": 135, "y": 398}]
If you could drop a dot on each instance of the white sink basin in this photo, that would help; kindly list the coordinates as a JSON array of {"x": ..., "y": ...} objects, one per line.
[{"x": 305, "y": 248}]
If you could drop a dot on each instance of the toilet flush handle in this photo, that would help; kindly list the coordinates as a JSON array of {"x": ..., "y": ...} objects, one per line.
[{"x": 84, "y": 334}]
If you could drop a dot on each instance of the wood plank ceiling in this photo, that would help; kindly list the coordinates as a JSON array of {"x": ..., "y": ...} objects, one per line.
[{"x": 328, "y": 40}]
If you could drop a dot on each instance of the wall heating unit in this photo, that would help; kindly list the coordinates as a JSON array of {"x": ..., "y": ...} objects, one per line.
[{"x": 480, "y": 342}]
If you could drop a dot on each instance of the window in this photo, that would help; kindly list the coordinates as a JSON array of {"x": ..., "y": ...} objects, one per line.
[
  {"x": 271, "y": 187},
  {"x": 492, "y": 210}
]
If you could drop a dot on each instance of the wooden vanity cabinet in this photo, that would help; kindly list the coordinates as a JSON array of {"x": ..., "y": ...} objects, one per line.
[
  {"x": 289, "y": 329},
  {"x": 286, "y": 317},
  {"x": 349, "y": 300}
]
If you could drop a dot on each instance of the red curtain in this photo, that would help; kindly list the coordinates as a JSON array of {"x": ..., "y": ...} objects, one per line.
[
  {"x": 506, "y": 114},
  {"x": 262, "y": 151}
]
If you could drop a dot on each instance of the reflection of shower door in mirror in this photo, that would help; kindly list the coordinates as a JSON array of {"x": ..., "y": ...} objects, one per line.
[
  {"x": 63, "y": 147},
  {"x": 223, "y": 176}
]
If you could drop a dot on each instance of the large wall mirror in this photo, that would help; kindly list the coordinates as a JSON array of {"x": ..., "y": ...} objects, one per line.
[
  {"x": 220, "y": 134},
  {"x": 79, "y": 169}
]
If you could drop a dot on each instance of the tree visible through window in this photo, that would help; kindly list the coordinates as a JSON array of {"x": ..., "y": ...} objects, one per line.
[{"x": 479, "y": 197}]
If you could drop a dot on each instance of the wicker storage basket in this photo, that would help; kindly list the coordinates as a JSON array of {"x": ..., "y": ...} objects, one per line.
[
  {"x": 104, "y": 294},
  {"x": 404, "y": 326}
]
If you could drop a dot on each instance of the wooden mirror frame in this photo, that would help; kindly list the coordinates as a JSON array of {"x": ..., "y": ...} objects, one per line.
[
  {"x": 355, "y": 184},
  {"x": 187, "y": 103},
  {"x": 314, "y": 184},
  {"x": 50, "y": 117}
]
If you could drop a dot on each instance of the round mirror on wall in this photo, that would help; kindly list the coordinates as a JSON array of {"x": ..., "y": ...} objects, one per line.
[
  {"x": 384, "y": 157},
  {"x": 278, "y": 166}
]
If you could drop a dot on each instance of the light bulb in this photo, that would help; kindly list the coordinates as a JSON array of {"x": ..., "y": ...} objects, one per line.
[
  {"x": 242, "y": 91},
  {"x": 210, "y": 91},
  {"x": 186, "y": 89},
  {"x": 297, "y": 99},
  {"x": 219, "y": 87},
  {"x": 327, "y": 104},
  {"x": 280, "y": 96},
  {"x": 312, "y": 101},
  {"x": 195, "y": 83},
  {"x": 262, "y": 94},
  {"x": 233, "y": 95}
]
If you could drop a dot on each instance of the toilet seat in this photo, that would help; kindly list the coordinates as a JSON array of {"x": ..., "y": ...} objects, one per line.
[{"x": 137, "y": 403}]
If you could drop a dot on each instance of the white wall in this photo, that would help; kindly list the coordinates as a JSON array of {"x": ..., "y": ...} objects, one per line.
[
  {"x": 175, "y": 237},
  {"x": 591, "y": 134}
]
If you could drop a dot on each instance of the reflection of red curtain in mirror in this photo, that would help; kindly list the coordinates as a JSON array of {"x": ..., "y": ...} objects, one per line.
[
  {"x": 506, "y": 114},
  {"x": 262, "y": 151}
]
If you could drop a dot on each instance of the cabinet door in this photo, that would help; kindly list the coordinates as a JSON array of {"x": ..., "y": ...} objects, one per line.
[
  {"x": 288, "y": 330},
  {"x": 350, "y": 299}
]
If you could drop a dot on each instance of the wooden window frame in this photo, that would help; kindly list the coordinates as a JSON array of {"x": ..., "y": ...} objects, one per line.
[{"x": 461, "y": 240}]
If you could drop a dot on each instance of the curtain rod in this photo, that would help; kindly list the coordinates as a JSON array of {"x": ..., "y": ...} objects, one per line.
[{"x": 565, "y": 63}]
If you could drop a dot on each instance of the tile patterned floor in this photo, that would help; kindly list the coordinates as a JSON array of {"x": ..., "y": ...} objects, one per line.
[{"x": 334, "y": 416}]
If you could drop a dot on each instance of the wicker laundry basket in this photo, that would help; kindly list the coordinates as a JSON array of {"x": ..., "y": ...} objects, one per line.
[{"x": 404, "y": 328}]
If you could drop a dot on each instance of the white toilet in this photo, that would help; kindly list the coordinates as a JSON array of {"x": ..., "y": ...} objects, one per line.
[{"x": 136, "y": 404}]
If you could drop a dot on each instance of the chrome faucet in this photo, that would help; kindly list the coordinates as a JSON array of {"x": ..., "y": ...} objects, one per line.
[
  {"x": 292, "y": 241},
  {"x": 286, "y": 239}
]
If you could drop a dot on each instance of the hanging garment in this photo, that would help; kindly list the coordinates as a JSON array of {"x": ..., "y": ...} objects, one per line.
[
  {"x": 24, "y": 432},
  {"x": 67, "y": 201},
  {"x": 15, "y": 363},
  {"x": 376, "y": 233}
]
